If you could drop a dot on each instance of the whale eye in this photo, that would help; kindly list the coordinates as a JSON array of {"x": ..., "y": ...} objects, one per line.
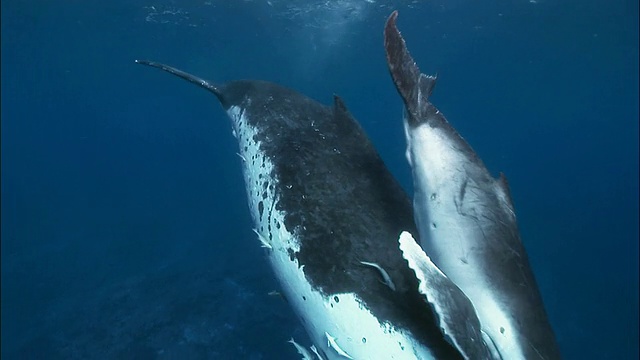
[
  {"x": 364, "y": 340},
  {"x": 336, "y": 299}
]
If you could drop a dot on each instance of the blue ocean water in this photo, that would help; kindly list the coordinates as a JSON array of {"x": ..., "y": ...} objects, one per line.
[{"x": 125, "y": 230}]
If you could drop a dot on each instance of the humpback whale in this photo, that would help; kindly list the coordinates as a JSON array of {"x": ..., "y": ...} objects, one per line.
[
  {"x": 329, "y": 215},
  {"x": 466, "y": 219}
]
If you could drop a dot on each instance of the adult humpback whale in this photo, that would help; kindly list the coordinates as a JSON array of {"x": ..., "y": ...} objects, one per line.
[
  {"x": 329, "y": 214},
  {"x": 466, "y": 218}
]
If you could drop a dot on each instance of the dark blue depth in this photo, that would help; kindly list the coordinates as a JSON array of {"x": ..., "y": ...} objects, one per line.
[{"x": 125, "y": 230}]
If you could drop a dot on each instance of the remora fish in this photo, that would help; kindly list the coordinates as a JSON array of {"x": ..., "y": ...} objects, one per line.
[
  {"x": 322, "y": 201},
  {"x": 466, "y": 218}
]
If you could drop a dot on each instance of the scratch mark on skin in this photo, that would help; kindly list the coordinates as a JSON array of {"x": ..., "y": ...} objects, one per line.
[{"x": 463, "y": 190}]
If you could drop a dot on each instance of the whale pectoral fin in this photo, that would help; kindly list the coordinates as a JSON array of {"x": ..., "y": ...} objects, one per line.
[
  {"x": 184, "y": 75},
  {"x": 414, "y": 87},
  {"x": 455, "y": 312},
  {"x": 403, "y": 69}
]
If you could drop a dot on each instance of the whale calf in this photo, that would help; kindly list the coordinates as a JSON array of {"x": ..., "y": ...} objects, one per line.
[
  {"x": 466, "y": 218},
  {"x": 329, "y": 215}
]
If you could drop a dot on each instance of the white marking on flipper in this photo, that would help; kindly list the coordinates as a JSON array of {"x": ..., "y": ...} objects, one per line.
[
  {"x": 265, "y": 243},
  {"x": 301, "y": 350},
  {"x": 331, "y": 341},
  {"x": 383, "y": 273}
]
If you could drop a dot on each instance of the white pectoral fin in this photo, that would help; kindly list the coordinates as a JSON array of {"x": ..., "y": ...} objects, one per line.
[{"x": 455, "y": 312}]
